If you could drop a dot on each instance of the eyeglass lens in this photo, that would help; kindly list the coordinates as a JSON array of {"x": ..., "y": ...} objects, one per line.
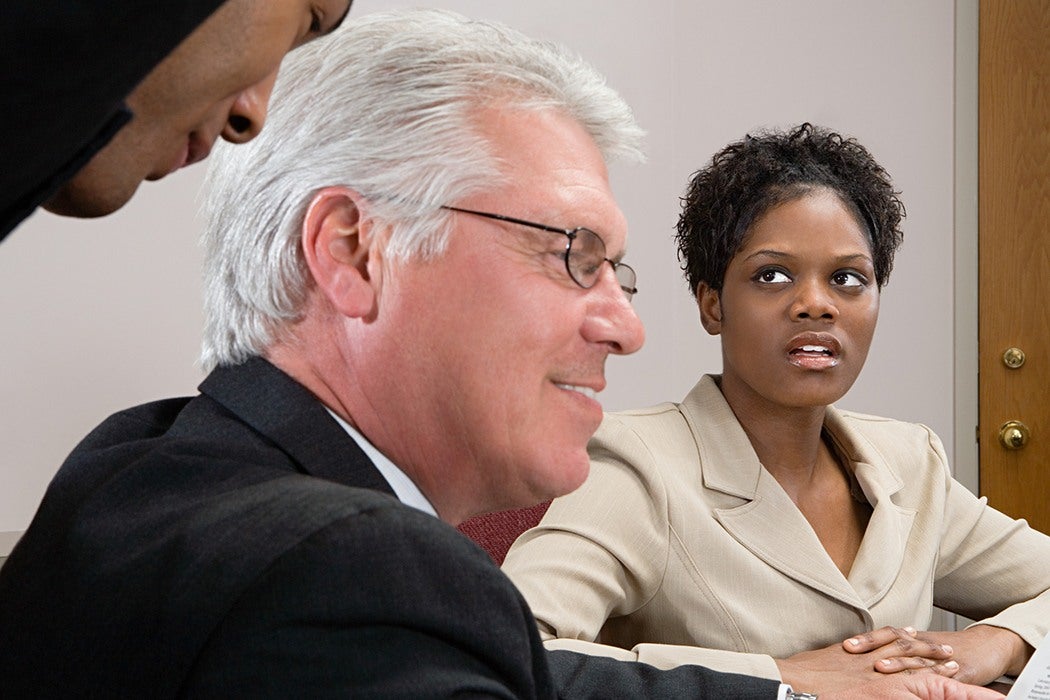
[{"x": 585, "y": 260}]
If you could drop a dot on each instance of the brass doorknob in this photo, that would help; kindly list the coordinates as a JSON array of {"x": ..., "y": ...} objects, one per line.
[
  {"x": 1013, "y": 358},
  {"x": 1013, "y": 434}
]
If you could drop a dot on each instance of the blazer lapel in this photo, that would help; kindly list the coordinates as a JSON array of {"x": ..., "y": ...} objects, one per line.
[
  {"x": 765, "y": 521},
  {"x": 882, "y": 551},
  {"x": 286, "y": 413}
]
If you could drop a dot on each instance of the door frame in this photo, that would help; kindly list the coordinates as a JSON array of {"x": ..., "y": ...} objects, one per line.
[{"x": 966, "y": 293}]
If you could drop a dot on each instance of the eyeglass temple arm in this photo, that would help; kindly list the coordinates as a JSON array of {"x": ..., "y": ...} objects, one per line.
[{"x": 510, "y": 219}]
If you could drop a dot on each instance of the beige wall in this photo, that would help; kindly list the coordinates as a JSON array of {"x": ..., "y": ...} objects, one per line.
[{"x": 99, "y": 315}]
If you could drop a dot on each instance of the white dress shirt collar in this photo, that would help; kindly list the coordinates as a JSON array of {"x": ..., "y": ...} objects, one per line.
[{"x": 404, "y": 488}]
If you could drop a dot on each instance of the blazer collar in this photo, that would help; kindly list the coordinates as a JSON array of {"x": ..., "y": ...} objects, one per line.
[
  {"x": 769, "y": 524},
  {"x": 291, "y": 417},
  {"x": 730, "y": 464}
]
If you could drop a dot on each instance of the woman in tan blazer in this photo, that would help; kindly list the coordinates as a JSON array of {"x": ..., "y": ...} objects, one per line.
[{"x": 753, "y": 527}]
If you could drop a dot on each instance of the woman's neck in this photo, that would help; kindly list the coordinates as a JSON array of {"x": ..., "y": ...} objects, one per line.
[
  {"x": 787, "y": 439},
  {"x": 789, "y": 443}
]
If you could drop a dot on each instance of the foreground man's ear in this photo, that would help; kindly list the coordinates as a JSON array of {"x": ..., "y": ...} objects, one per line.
[
  {"x": 337, "y": 240},
  {"x": 710, "y": 303}
]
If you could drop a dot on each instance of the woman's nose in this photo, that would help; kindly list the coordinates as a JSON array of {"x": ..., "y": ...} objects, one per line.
[{"x": 813, "y": 300}]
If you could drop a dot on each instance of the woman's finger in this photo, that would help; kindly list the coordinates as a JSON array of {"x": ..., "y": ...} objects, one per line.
[
  {"x": 869, "y": 641},
  {"x": 911, "y": 664}
]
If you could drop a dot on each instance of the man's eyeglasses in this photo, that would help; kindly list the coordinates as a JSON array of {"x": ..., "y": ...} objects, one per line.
[{"x": 584, "y": 252}]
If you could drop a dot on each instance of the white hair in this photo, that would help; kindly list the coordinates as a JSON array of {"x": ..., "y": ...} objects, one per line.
[{"x": 385, "y": 106}]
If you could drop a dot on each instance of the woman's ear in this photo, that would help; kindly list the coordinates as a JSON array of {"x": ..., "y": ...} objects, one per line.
[
  {"x": 337, "y": 241},
  {"x": 710, "y": 303}
]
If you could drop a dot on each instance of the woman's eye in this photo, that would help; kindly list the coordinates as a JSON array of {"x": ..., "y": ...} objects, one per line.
[
  {"x": 772, "y": 276},
  {"x": 846, "y": 278}
]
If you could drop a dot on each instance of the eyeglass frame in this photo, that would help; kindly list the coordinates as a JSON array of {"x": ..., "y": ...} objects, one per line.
[{"x": 571, "y": 234}]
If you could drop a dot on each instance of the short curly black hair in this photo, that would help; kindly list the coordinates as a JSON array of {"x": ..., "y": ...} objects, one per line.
[{"x": 748, "y": 178}]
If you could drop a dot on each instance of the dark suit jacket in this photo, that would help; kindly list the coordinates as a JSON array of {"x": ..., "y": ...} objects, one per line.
[
  {"x": 240, "y": 543},
  {"x": 65, "y": 69}
]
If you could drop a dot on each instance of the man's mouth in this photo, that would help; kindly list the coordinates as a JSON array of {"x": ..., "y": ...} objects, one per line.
[
  {"x": 193, "y": 151},
  {"x": 586, "y": 391}
]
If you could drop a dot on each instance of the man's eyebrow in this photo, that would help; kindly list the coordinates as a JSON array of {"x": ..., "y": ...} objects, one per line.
[
  {"x": 340, "y": 20},
  {"x": 618, "y": 258}
]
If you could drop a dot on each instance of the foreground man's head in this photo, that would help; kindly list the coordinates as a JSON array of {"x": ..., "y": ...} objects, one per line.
[
  {"x": 353, "y": 245},
  {"x": 215, "y": 84}
]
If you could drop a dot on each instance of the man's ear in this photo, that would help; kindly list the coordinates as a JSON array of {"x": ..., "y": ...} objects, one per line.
[
  {"x": 710, "y": 303},
  {"x": 337, "y": 243}
]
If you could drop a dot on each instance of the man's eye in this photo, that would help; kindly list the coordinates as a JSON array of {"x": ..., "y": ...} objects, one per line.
[{"x": 586, "y": 267}]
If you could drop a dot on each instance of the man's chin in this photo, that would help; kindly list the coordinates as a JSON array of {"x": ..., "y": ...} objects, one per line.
[
  {"x": 86, "y": 203},
  {"x": 571, "y": 473}
]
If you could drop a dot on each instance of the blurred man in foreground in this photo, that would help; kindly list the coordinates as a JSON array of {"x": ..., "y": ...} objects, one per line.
[{"x": 101, "y": 96}]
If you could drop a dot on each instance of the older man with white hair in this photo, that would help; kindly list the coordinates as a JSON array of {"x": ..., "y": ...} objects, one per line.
[{"x": 414, "y": 278}]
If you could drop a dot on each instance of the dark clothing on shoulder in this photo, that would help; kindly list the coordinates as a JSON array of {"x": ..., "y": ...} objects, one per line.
[
  {"x": 66, "y": 68},
  {"x": 240, "y": 543}
]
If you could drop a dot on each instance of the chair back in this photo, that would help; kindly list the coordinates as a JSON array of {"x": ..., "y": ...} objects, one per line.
[{"x": 496, "y": 532}]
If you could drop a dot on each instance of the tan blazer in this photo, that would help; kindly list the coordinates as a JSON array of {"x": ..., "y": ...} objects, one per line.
[{"x": 680, "y": 537}]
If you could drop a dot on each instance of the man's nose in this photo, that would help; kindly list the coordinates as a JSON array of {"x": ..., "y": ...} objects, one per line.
[
  {"x": 613, "y": 320},
  {"x": 248, "y": 111}
]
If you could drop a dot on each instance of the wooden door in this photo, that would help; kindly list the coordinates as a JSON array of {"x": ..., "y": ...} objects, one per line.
[{"x": 1014, "y": 253}]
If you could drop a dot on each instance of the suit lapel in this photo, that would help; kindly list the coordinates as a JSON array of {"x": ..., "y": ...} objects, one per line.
[
  {"x": 286, "y": 413},
  {"x": 882, "y": 551},
  {"x": 769, "y": 524}
]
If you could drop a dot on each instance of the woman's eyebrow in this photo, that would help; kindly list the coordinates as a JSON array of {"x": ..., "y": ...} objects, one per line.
[
  {"x": 781, "y": 255},
  {"x": 769, "y": 253}
]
